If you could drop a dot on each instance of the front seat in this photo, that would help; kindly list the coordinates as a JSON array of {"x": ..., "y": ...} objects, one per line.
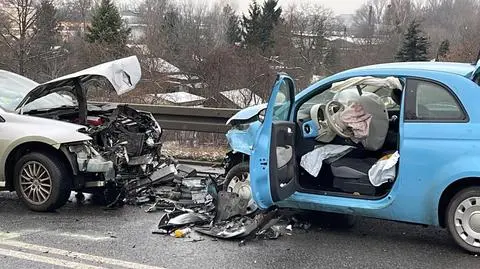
[{"x": 351, "y": 175}]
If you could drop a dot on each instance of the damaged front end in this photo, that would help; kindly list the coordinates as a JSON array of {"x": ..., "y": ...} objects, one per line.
[
  {"x": 124, "y": 154},
  {"x": 131, "y": 140}
]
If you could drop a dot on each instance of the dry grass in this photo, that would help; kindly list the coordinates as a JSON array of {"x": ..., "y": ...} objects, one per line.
[{"x": 199, "y": 153}]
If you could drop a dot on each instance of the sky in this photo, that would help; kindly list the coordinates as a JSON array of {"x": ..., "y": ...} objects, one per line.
[{"x": 338, "y": 6}]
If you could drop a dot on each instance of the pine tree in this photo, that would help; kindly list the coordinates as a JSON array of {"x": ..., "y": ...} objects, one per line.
[
  {"x": 251, "y": 25},
  {"x": 331, "y": 60},
  {"x": 107, "y": 26},
  {"x": 415, "y": 45},
  {"x": 443, "y": 49},
  {"x": 234, "y": 32},
  {"x": 260, "y": 25},
  {"x": 268, "y": 20},
  {"x": 46, "y": 26}
]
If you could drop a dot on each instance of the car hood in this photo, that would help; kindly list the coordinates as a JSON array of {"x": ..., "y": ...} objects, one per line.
[
  {"x": 57, "y": 132},
  {"x": 247, "y": 113},
  {"x": 122, "y": 74}
]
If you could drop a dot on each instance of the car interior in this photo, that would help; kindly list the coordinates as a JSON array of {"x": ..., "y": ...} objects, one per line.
[{"x": 318, "y": 125}]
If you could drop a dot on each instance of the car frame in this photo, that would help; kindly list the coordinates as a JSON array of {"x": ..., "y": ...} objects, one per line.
[{"x": 431, "y": 187}]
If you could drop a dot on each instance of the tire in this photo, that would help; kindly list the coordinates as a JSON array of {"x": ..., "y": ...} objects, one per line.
[
  {"x": 48, "y": 178},
  {"x": 463, "y": 219},
  {"x": 240, "y": 171}
]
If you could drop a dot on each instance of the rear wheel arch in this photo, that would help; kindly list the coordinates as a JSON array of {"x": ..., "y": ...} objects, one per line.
[
  {"x": 28, "y": 147},
  {"x": 450, "y": 192}
]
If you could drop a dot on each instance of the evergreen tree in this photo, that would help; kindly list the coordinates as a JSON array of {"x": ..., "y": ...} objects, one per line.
[
  {"x": 269, "y": 19},
  {"x": 415, "y": 45},
  {"x": 107, "y": 26},
  {"x": 170, "y": 31},
  {"x": 260, "y": 25},
  {"x": 234, "y": 32},
  {"x": 252, "y": 26},
  {"x": 331, "y": 60},
  {"x": 46, "y": 27},
  {"x": 443, "y": 49}
]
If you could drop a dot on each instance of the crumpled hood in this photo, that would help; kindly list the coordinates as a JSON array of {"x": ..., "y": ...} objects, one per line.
[
  {"x": 247, "y": 113},
  {"x": 123, "y": 75}
]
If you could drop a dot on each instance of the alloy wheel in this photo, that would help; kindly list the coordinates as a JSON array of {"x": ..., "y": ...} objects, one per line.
[{"x": 35, "y": 182}]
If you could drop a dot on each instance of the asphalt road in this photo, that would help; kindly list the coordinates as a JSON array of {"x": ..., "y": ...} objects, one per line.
[{"x": 87, "y": 236}]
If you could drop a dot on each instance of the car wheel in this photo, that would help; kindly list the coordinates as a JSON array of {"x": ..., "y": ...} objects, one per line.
[
  {"x": 42, "y": 181},
  {"x": 238, "y": 181},
  {"x": 463, "y": 219}
]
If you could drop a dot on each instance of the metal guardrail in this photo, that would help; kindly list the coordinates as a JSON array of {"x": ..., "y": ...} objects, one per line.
[{"x": 210, "y": 120}]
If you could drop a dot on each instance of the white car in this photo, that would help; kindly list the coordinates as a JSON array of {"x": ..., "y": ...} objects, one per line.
[{"x": 44, "y": 153}]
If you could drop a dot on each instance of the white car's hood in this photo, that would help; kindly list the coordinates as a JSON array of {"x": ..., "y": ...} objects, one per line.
[{"x": 123, "y": 75}]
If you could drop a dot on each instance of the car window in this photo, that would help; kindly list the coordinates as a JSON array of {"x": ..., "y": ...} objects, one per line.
[
  {"x": 282, "y": 102},
  {"x": 324, "y": 97},
  {"x": 431, "y": 101},
  {"x": 13, "y": 88}
]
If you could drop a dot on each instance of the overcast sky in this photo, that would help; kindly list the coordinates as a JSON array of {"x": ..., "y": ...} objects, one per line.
[{"x": 338, "y": 6}]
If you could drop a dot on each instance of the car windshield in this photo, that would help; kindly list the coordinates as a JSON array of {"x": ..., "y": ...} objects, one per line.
[
  {"x": 14, "y": 88},
  {"x": 328, "y": 95}
]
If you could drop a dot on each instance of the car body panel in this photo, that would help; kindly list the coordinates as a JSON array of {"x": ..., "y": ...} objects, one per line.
[
  {"x": 247, "y": 113},
  {"x": 17, "y": 129},
  {"x": 262, "y": 176},
  {"x": 242, "y": 140},
  {"x": 426, "y": 169},
  {"x": 123, "y": 75}
]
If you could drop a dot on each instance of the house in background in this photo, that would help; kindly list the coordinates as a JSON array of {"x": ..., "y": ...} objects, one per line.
[
  {"x": 175, "y": 98},
  {"x": 240, "y": 98},
  {"x": 134, "y": 21}
]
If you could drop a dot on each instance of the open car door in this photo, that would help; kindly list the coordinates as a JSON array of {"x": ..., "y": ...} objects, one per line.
[{"x": 273, "y": 164}]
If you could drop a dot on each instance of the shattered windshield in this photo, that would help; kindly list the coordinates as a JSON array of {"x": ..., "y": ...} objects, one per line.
[{"x": 14, "y": 88}]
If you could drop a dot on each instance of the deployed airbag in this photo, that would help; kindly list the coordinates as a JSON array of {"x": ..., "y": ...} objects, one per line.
[
  {"x": 384, "y": 170},
  {"x": 312, "y": 161},
  {"x": 357, "y": 119}
]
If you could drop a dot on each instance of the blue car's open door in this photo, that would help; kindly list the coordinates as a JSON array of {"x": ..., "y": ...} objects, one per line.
[{"x": 273, "y": 163}]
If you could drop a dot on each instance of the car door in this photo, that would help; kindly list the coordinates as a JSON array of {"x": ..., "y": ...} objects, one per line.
[{"x": 273, "y": 163}]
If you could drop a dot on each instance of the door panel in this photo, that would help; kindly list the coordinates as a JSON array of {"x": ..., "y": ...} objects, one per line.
[
  {"x": 272, "y": 164},
  {"x": 282, "y": 160}
]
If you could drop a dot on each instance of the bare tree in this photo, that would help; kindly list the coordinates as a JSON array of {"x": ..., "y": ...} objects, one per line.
[{"x": 17, "y": 29}]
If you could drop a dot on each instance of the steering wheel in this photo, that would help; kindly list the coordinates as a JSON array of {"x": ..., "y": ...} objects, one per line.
[
  {"x": 325, "y": 133},
  {"x": 332, "y": 112}
]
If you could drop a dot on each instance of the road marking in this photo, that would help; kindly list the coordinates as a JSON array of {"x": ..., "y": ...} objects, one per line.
[
  {"x": 43, "y": 259},
  {"x": 4, "y": 236},
  {"x": 76, "y": 255},
  {"x": 85, "y": 236}
]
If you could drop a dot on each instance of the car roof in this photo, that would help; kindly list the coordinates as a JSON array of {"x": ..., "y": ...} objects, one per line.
[{"x": 462, "y": 69}]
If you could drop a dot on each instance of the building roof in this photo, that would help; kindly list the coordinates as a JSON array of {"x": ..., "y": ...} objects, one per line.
[
  {"x": 242, "y": 97},
  {"x": 179, "y": 97}
]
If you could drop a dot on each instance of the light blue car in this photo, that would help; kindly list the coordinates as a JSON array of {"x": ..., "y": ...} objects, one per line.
[{"x": 397, "y": 141}]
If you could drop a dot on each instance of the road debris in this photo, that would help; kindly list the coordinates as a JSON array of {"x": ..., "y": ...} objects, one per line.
[{"x": 194, "y": 204}]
